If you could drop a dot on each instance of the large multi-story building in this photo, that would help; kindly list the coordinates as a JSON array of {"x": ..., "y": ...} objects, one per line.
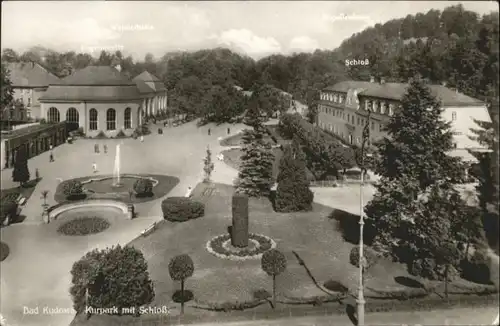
[
  {"x": 103, "y": 99},
  {"x": 344, "y": 108},
  {"x": 29, "y": 82}
]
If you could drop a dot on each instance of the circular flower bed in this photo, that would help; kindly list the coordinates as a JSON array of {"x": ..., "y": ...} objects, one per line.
[
  {"x": 84, "y": 226},
  {"x": 4, "y": 251},
  {"x": 221, "y": 247}
]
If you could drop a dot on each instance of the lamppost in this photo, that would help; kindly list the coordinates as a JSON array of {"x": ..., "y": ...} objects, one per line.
[{"x": 361, "y": 297}]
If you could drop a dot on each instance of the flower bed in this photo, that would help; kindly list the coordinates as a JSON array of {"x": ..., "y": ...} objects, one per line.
[
  {"x": 84, "y": 226},
  {"x": 221, "y": 247}
]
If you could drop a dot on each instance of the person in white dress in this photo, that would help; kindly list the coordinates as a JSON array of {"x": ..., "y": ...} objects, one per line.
[
  {"x": 94, "y": 167},
  {"x": 189, "y": 192}
]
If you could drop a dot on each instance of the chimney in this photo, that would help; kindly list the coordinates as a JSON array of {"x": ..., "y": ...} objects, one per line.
[
  {"x": 118, "y": 67},
  {"x": 372, "y": 79}
]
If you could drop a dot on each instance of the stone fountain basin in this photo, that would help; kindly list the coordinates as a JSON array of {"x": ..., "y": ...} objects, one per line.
[
  {"x": 88, "y": 204},
  {"x": 107, "y": 184}
]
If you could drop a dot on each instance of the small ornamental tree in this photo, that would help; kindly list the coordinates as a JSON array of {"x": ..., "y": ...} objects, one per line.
[
  {"x": 180, "y": 268},
  {"x": 113, "y": 277},
  {"x": 44, "y": 194},
  {"x": 21, "y": 173},
  {"x": 73, "y": 189},
  {"x": 143, "y": 187},
  {"x": 208, "y": 166},
  {"x": 293, "y": 193},
  {"x": 255, "y": 177},
  {"x": 273, "y": 262}
]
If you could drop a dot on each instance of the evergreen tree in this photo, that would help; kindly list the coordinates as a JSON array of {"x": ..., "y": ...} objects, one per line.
[
  {"x": 418, "y": 141},
  {"x": 411, "y": 210},
  {"x": 293, "y": 193},
  {"x": 21, "y": 173},
  {"x": 255, "y": 177}
]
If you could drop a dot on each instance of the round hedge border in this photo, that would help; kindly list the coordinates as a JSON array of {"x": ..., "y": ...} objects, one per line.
[
  {"x": 4, "y": 251},
  {"x": 218, "y": 247},
  {"x": 82, "y": 226}
]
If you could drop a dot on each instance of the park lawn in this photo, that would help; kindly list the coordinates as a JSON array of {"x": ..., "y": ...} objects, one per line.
[
  {"x": 164, "y": 186},
  {"x": 312, "y": 235}
]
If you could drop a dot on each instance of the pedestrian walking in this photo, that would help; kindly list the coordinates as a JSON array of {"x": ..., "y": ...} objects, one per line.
[
  {"x": 94, "y": 167},
  {"x": 228, "y": 131},
  {"x": 142, "y": 139},
  {"x": 209, "y": 131},
  {"x": 51, "y": 157},
  {"x": 105, "y": 148},
  {"x": 51, "y": 147}
]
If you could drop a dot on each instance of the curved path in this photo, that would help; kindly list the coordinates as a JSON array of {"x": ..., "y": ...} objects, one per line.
[{"x": 36, "y": 273}]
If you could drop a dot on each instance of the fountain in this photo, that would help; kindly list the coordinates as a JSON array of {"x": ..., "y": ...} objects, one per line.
[{"x": 116, "y": 168}]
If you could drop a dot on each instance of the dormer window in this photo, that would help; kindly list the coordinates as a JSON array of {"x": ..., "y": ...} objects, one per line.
[
  {"x": 369, "y": 105},
  {"x": 375, "y": 106},
  {"x": 391, "y": 109},
  {"x": 382, "y": 107}
]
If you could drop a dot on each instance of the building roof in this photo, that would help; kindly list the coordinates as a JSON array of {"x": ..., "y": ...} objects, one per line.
[
  {"x": 69, "y": 93},
  {"x": 26, "y": 131},
  {"x": 30, "y": 74},
  {"x": 395, "y": 91},
  {"x": 148, "y": 83},
  {"x": 97, "y": 76},
  {"x": 146, "y": 76}
]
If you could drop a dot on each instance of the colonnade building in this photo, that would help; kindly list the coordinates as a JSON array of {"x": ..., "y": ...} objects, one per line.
[
  {"x": 103, "y": 99},
  {"x": 344, "y": 107}
]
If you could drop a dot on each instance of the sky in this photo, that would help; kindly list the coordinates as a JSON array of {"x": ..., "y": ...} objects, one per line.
[{"x": 255, "y": 28}]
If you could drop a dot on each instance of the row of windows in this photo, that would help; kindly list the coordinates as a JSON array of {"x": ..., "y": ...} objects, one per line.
[
  {"x": 350, "y": 118},
  {"x": 73, "y": 116},
  {"x": 377, "y": 106},
  {"x": 348, "y": 137}
]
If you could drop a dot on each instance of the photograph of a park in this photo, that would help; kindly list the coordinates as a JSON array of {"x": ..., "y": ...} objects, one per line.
[{"x": 163, "y": 163}]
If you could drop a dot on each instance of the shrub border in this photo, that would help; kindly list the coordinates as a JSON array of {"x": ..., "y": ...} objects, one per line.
[{"x": 231, "y": 256}]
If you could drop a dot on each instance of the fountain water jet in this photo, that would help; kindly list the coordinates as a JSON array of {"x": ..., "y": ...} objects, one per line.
[{"x": 116, "y": 168}]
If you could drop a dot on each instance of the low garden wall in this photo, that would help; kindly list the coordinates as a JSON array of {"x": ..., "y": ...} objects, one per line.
[{"x": 56, "y": 210}]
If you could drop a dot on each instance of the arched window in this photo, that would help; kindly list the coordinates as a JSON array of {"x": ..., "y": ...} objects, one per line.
[
  {"x": 93, "y": 119},
  {"x": 53, "y": 115},
  {"x": 111, "y": 119},
  {"x": 72, "y": 115},
  {"x": 127, "y": 118}
]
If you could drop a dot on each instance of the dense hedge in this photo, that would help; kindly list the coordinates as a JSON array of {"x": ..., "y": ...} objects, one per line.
[
  {"x": 369, "y": 254},
  {"x": 73, "y": 190},
  {"x": 8, "y": 208},
  {"x": 477, "y": 269},
  {"x": 143, "y": 187},
  {"x": 114, "y": 277},
  {"x": 239, "y": 230},
  {"x": 324, "y": 148},
  {"x": 4, "y": 251},
  {"x": 181, "y": 209}
]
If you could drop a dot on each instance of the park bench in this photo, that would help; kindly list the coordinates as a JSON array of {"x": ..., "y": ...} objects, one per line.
[
  {"x": 149, "y": 229},
  {"x": 21, "y": 201}
]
